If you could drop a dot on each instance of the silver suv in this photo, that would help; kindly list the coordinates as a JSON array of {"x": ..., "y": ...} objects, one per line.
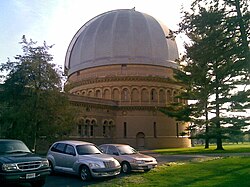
[{"x": 81, "y": 158}]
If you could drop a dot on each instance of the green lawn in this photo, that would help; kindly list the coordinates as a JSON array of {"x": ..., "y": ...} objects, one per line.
[
  {"x": 228, "y": 148},
  {"x": 220, "y": 172},
  {"x": 208, "y": 172}
]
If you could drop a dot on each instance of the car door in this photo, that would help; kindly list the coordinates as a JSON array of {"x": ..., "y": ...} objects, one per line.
[
  {"x": 70, "y": 158},
  {"x": 113, "y": 151},
  {"x": 58, "y": 153}
]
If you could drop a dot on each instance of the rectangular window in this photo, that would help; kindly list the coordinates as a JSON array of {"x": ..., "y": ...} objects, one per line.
[
  {"x": 79, "y": 130},
  {"x": 155, "y": 132},
  {"x": 125, "y": 129},
  {"x": 104, "y": 130},
  {"x": 85, "y": 130},
  {"x": 177, "y": 130},
  {"x": 91, "y": 130}
]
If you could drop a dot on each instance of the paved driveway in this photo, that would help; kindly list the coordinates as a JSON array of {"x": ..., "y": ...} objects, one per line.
[{"x": 63, "y": 180}]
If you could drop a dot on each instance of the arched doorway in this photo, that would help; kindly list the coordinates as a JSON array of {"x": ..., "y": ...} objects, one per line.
[{"x": 140, "y": 140}]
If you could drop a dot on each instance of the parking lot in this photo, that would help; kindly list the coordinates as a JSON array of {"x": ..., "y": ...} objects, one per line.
[{"x": 64, "y": 180}]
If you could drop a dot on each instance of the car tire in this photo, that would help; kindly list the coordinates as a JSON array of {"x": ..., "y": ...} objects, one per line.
[
  {"x": 84, "y": 173},
  {"x": 125, "y": 167},
  {"x": 52, "y": 171},
  {"x": 39, "y": 183}
]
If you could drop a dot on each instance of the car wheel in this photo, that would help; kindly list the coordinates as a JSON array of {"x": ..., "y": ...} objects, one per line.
[
  {"x": 39, "y": 183},
  {"x": 85, "y": 173},
  {"x": 126, "y": 168},
  {"x": 52, "y": 171}
]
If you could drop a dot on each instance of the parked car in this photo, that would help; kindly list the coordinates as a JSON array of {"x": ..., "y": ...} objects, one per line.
[
  {"x": 18, "y": 164},
  {"x": 81, "y": 158},
  {"x": 129, "y": 158}
]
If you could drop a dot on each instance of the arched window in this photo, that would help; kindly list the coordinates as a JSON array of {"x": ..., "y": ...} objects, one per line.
[
  {"x": 162, "y": 96},
  {"x": 174, "y": 96},
  {"x": 86, "y": 127},
  {"x": 106, "y": 94},
  {"x": 135, "y": 95},
  {"x": 144, "y": 95},
  {"x": 115, "y": 94},
  {"x": 84, "y": 93},
  {"x": 125, "y": 94},
  {"x": 169, "y": 96},
  {"x": 98, "y": 93},
  {"x": 90, "y": 93},
  {"x": 153, "y": 95},
  {"x": 107, "y": 128}
]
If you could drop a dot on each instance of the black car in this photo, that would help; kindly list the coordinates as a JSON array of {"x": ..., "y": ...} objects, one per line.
[{"x": 18, "y": 164}]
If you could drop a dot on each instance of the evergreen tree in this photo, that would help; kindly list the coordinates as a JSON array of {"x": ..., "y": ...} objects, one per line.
[{"x": 217, "y": 65}]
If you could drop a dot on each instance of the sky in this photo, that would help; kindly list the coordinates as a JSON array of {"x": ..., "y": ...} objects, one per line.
[{"x": 57, "y": 21}]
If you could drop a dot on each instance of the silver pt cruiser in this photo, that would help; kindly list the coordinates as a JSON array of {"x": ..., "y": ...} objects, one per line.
[{"x": 81, "y": 158}]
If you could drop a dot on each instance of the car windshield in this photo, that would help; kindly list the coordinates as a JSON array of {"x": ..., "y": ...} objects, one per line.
[
  {"x": 126, "y": 150},
  {"x": 87, "y": 149},
  {"x": 8, "y": 147}
]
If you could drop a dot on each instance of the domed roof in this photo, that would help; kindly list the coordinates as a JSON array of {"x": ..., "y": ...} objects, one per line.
[{"x": 123, "y": 36}]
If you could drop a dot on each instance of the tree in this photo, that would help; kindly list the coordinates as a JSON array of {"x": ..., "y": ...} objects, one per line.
[
  {"x": 217, "y": 64},
  {"x": 32, "y": 91}
]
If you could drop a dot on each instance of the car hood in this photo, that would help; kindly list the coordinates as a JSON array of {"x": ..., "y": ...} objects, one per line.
[
  {"x": 96, "y": 157},
  {"x": 137, "y": 156},
  {"x": 19, "y": 157}
]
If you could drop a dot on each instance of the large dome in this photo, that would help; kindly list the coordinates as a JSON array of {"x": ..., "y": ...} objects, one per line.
[{"x": 123, "y": 36}]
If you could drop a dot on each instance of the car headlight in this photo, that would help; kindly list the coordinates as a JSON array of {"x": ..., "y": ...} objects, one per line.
[
  {"x": 9, "y": 167},
  {"x": 45, "y": 163},
  {"x": 139, "y": 161},
  {"x": 96, "y": 165},
  {"x": 116, "y": 163}
]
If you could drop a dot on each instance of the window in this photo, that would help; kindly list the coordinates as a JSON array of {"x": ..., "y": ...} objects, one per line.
[
  {"x": 177, "y": 129},
  {"x": 59, "y": 147},
  {"x": 112, "y": 150},
  {"x": 155, "y": 132},
  {"x": 91, "y": 130},
  {"x": 104, "y": 130},
  {"x": 70, "y": 150},
  {"x": 154, "y": 95},
  {"x": 125, "y": 95},
  {"x": 98, "y": 93},
  {"x": 79, "y": 130},
  {"x": 125, "y": 129}
]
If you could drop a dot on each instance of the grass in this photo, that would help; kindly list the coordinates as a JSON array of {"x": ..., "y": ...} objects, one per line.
[
  {"x": 208, "y": 172},
  {"x": 228, "y": 148},
  {"x": 218, "y": 172}
]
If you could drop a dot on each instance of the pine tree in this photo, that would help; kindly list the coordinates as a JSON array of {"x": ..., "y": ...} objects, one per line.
[{"x": 217, "y": 63}]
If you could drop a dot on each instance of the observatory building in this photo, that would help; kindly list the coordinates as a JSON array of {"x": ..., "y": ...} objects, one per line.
[{"x": 120, "y": 72}]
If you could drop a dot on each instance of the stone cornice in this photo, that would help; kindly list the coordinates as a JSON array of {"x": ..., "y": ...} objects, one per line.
[{"x": 119, "y": 78}]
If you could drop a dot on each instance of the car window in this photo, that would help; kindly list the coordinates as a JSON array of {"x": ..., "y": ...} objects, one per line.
[
  {"x": 70, "y": 150},
  {"x": 13, "y": 147},
  {"x": 112, "y": 150},
  {"x": 126, "y": 150},
  {"x": 87, "y": 149},
  {"x": 103, "y": 148},
  {"x": 59, "y": 147}
]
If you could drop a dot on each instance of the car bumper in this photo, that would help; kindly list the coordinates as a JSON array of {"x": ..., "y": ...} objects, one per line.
[
  {"x": 143, "y": 166},
  {"x": 29, "y": 176},
  {"x": 104, "y": 172}
]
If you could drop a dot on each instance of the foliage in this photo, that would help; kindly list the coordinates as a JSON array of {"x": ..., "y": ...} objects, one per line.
[
  {"x": 216, "y": 69},
  {"x": 34, "y": 105}
]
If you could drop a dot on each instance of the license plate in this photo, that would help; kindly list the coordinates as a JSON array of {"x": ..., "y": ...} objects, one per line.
[
  {"x": 150, "y": 166},
  {"x": 30, "y": 175}
]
